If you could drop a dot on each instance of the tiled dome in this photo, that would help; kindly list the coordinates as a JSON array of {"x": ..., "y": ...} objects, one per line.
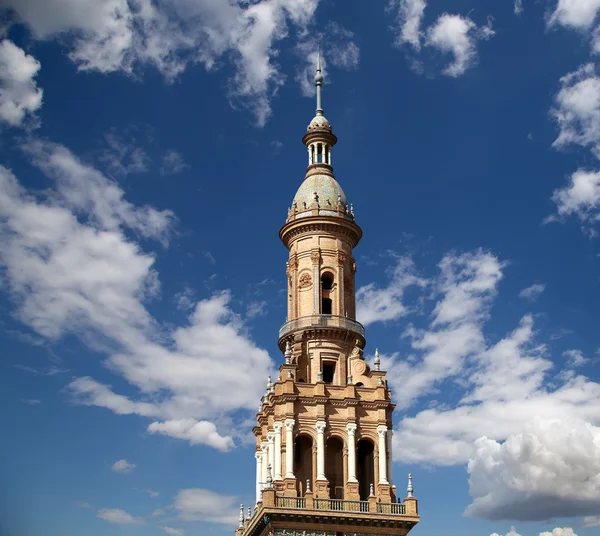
[{"x": 326, "y": 187}]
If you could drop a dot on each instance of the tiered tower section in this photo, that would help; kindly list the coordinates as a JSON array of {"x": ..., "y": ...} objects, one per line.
[{"x": 324, "y": 428}]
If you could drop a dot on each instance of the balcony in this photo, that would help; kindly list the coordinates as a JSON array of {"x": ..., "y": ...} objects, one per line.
[
  {"x": 340, "y": 505},
  {"x": 324, "y": 322}
]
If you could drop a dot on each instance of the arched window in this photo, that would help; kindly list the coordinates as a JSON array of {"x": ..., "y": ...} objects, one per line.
[
  {"x": 334, "y": 467},
  {"x": 327, "y": 281},
  {"x": 366, "y": 469},
  {"x": 303, "y": 463}
]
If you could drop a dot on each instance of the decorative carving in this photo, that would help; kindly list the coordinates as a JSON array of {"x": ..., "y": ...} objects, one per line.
[
  {"x": 341, "y": 258},
  {"x": 357, "y": 352},
  {"x": 305, "y": 280},
  {"x": 359, "y": 368},
  {"x": 293, "y": 262},
  {"x": 315, "y": 257},
  {"x": 301, "y": 532}
]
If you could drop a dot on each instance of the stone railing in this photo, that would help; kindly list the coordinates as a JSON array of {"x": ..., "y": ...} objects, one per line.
[
  {"x": 290, "y": 502},
  {"x": 321, "y": 321},
  {"x": 391, "y": 508},
  {"x": 340, "y": 505}
]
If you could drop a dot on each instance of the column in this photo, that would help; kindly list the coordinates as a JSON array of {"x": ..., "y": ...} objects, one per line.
[
  {"x": 271, "y": 447},
  {"x": 289, "y": 448},
  {"x": 264, "y": 447},
  {"x": 341, "y": 259},
  {"x": 329, "y": 156},
  {"x": 258, "y": 456},
  {"x": 321, "y": 450},
  {"x": 315, "y": 256},
  {"x": 351, "y": 429},
  {"x": 309, "y": 157},
  {"x": 390, "y": 477},
  {"x": 381, "y": 432},
  {"x": 277, "y": 470}
]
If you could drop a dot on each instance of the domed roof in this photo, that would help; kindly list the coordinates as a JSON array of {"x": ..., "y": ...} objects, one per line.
[
  {"x": 319, "y": 121},
  {"x": 326, "y": 187}
]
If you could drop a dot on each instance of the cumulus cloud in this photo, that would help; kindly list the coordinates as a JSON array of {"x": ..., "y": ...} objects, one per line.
[
  {"x": 123, "y": 467},
  {"x": 126, "y": 35},
  {"x": 576, "y": 109},
  {"x": 511, "y": 532},
  {"x": 382, "y": 304},
  {"x": 196, "y": 432},
  {"x": 119, "y": 517},
  {"x": 551, "y": 467},
  {"x": 409, "y": 17},
  {"x": 458, "y": 36},
  {"x": 197, "y": 504},
  {"x": 579, "y": 198},
  {"x": 533, "y": 292},
  {"x": 20, "y": 98},
  {"x": 70, "y": 267},
  {"x": 559, "y": 531},
  {"x": 579, "y": 14}
]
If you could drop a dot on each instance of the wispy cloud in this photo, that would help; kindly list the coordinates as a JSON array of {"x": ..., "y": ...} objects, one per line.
[
  {"x": 533, "y": 292},
  {"x": 119, "y": 517}
]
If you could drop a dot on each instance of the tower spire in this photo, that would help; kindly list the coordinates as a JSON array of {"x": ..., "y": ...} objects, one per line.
[{"x": 319, "y": 82}]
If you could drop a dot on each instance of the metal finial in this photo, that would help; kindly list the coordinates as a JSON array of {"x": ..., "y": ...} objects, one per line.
[
  {"x": 339, "y": 198},
  {"x": 241, "y": 525},
  {"x": 319, "y": 82},
  {"x": 249, "y": 512},
  {"x": 307, "y": 485},
  {"x": 377, "y": 360},
  {"x": 371, "y": 490},
  {"x": 351, "y": 209},
  {"x": 410, "y": 486}
]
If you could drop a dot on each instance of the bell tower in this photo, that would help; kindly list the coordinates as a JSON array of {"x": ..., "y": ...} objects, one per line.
[{"x": 324, "y": 427}]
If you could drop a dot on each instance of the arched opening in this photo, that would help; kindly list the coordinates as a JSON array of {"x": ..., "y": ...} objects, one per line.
[
  {"x": 303, "y": 462},
  {"x": 365, "y": 464},
  {"x": 327, "y": 281},
  {"x": 360, "y": 384},
  {"x": 326, "y": 306},
  {"x": 334, "y": 467}
]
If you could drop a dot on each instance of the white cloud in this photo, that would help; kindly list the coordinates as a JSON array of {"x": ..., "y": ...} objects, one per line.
[
  {"x": 123, "y": 156},
  {"x": 123, "y": 467},
  {"x": 579, "y": 14},
  {"x": 467, "y": 285},
  {"x": 70, "y": 268},
  {"x": 518, "y": 7},
  {"x": 172, "y": 531},
  {"x": 458, "y": 36},
  {"x": 337, "y": 47},
  {"x": 409, "y": 17},
  {"x": 20, "y": 98},
  {"x": 551, "y": 469},
  {"x": 203, "y": 505},
  {"x": 511, "y": 532},
  {"x": 579, "y": 198},
  {"x": 153, "y": 494},
  {"x": 126, "y": 35},
  {"x": 575, "y": 358},
  {"x": 590, "y": 521},
  {"x": 577, "y": 109},
  {"x": 257, "y": 308},
  {"x": 533, "y": 292},
  {"x": 118, "y": 516},
  {"x": 375, "y": 304},
  {"x": 196, "y": 432},
  {"x": 558, "y": 531},
  {"x": 172, "y": 163}
]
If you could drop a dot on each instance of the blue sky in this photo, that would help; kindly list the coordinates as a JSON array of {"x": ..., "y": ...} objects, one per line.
[{"x": 149, "y": 152}]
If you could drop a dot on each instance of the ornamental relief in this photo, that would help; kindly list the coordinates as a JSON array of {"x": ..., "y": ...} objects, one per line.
[
  {"x": 299, "y": 532},
  {"x": 305, "y": 280}
]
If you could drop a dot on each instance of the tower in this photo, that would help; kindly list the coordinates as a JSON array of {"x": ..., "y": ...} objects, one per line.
[{"x": 324, "y": 427}]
